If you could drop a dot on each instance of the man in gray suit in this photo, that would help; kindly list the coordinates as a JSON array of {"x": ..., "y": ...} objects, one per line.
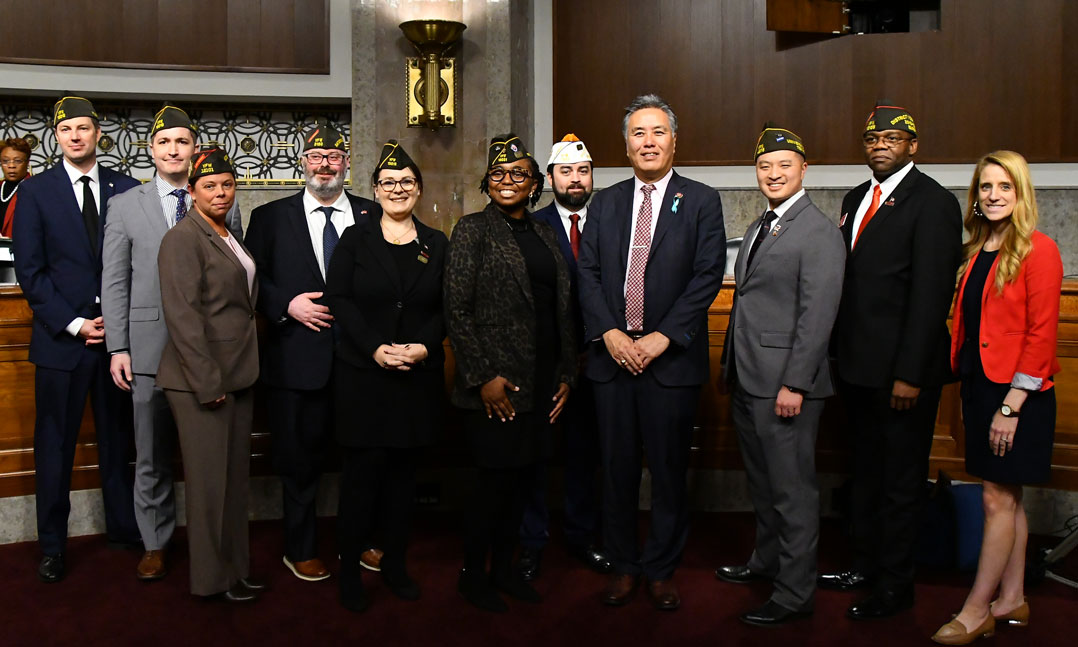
[
  {"x": 134, "y": 328},
  {"x": 789, "y": 280}
]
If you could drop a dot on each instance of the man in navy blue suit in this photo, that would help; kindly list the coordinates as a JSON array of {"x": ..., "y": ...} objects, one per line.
[
  {"x": 59, "y": 224},
  {"x": 569, "y": 174},
  {"x": 651, "y": 262}
]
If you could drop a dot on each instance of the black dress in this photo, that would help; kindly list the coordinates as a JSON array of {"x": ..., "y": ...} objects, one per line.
[
  {"x": 527, "y": 438},
  {"x": 1030, "y": 457}
]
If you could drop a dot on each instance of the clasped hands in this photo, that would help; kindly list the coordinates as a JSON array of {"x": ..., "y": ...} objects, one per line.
[
  {"x": 399, "y": 357},
  {"x": 635, "y": 355}
]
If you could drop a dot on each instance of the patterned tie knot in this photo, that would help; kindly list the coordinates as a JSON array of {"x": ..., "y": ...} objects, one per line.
[
  {"x": 179, "y": 193},
  {"x": 647, "y": 189}
]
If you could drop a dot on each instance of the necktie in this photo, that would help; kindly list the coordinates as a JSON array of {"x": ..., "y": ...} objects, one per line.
[
  {"x": 638, "y": 262},
  {"x": 181, "y": 204},
  {"x": 89, "y": 212},
  {"x": 761, "y": 234},
  {"x": 868, "y": 214},
  {"x": 329, "y": 237},
  {"x": 574, "y": 234}
]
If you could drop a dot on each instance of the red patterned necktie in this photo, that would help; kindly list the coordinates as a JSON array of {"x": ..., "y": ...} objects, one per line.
[
  {"x": 638, "y": 262},
  {"x": 574, "y": 234},
  {"x": 868, "y": 214}
]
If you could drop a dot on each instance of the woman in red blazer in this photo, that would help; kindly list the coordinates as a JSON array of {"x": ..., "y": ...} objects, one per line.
[{"x": 1003, "y": 345}]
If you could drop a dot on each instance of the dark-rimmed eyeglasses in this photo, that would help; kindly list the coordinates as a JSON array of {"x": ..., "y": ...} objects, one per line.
[
  {"x": 388, "y": 185},
  {"x": 316, "y": 158},
  {"x": 890, "y": 141},
  {"x": 516, "y": 175}
]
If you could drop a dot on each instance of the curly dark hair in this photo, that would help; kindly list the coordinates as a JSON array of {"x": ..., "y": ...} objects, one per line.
[{"x": 18, "y": 143}]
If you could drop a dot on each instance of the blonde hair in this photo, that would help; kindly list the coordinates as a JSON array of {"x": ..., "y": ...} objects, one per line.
[{"x": 1018, "y": 230}]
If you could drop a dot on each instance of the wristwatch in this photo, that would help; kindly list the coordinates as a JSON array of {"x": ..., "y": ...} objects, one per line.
[{"x": 1008, "y": 412}]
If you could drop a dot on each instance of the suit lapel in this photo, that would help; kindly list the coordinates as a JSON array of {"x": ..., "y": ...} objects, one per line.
[
  {"x": 552, "y": 217},
  {"x": 784, "y": 224},
  {"x": 297, "y": 217},
  {"x": 850, "y": 204},
  {"x": 624, "y": 212},
  {"x": 665, "y": 215},
  {"x": 151, "y": 208},
  {"x": 893, "y": 202},
  {"x": 505, "y": 246},
  {"x": 72, "y": 213},
  {"x": 218, "y": 242},
  {"x": 423, "y": 236},
  {"x": 743, "y": 251}
]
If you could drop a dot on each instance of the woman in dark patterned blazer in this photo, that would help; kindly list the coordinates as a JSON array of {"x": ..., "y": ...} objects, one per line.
[{"x": 509, "y": 321}]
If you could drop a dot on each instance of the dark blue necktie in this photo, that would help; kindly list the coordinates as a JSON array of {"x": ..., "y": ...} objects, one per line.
[
  {"x": 329, "y": 237},
  {"x": 181, "y": 204}
]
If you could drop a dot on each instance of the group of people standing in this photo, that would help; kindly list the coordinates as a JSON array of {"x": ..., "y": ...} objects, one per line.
[{"x": 589, "y": 313}]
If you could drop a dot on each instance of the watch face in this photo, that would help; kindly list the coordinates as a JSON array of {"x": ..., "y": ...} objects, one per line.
[{"x": 1006, "y": 410}]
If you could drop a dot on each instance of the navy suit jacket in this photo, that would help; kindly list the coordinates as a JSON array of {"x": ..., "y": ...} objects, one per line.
[
  {"x": 293, "y": 355},
  {"x": 58, "y": 270},
  {"x": 683, "y": 276},
  {"x": 549, "y": 214}
]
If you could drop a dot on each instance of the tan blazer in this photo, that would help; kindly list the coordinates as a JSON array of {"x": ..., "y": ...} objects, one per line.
[{"x": 210, "y": 314}]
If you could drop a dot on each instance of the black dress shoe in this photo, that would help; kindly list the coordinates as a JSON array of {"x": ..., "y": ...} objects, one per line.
[
  {"x": 843, "y": 580},
  {"x": 239, "y": 593},
  {"x": 475, "y": 588},
  {"x": 514, "y": 585},
  {"x": 528, "y": 564},
  {"x": 737, "y": 574},
  {"x": 51, "y": 568},
  {"x": 772, "y": 615},
  {"x": 253, "y": 585},
  {"x": 399, "y": 584},
  {"x": 882, "y": 604},
  {"x": 591, "y": 557}
]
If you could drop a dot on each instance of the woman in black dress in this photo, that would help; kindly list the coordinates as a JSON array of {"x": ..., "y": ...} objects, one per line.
[
  {"x": 1004, "y": 348},
  {"x": 509, "y": 321},
  {"x": 384, "y": 287}
]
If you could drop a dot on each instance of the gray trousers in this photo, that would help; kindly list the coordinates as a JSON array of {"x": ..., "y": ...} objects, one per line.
[
  {"x": 216, "y": 445},
  {"x": 155, "y": 452},
  {"x": 780, "y": 460}
]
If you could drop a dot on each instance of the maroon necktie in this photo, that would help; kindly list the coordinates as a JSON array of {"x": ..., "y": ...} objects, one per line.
[
  {"x": 638, "y": 262},
  {"x": 574, "y": 234}
]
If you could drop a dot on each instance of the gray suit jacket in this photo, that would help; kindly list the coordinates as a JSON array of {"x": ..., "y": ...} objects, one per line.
[
  {"x": 785, "y": 304},
  {"x": 130, "y": 289}
]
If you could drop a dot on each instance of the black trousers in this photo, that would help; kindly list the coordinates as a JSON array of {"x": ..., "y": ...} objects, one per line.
[
  {"x": 60, "y": 398},
  {"x": 640, "y": 418},
  {"x": 890, "y": 452},
  {"x": 492, "y": 517},
  {"x": 300, "y": 424},
  {"x": 377, "y": 491}
]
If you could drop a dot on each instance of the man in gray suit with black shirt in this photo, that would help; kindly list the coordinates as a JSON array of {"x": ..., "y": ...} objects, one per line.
[
  {"x": 135, "y": 331},
  {"x": 788, "y": 283}
]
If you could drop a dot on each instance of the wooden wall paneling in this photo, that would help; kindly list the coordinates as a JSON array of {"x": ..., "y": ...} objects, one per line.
[
  {"x": 816, "y": 16},
  {"x": 244, "y": 44},
  {"x": 1068, "y": 72},
  {"x": 277, "y": 35},
  {"x": 310, "y": 38},
  {"x": 137, "y": 33}
]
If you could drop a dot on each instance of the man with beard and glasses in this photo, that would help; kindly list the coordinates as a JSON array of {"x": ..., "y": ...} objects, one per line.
[
  {"x": 135, "y": 331},
  {"x": 569, "y": 174},
  {"x": 292, "y": 240}
]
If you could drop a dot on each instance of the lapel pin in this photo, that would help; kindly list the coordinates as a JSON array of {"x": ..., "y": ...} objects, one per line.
[
  {"x": 423, "y": 255},
  {"x": 889, "y": 203},
  {"x": 842, "y": 220},
  {"x": 776, "y": 230},
  {"x": 677, "y": 201}
]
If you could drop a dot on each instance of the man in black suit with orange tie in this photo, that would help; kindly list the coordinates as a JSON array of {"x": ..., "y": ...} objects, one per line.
[
  {"x": 651, "y": 262},
  {"x": 904, "y": 235},
  {"x": 291, "y": 240}
]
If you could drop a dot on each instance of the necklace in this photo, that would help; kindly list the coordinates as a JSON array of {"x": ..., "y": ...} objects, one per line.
[
  {"x": 4, "y": 198},
  {"x": 396, "y": 236}
]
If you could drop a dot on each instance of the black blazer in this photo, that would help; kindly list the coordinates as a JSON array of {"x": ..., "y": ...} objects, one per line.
[
  {"x": 373, "y": 306},
  {"x": 898, "y": 286},
  {"x": 293, "y": 355},
  {"x": 490, "y": 312},
  {"x": 683, "y": 276},
  {"x": 549, "y": 214}
]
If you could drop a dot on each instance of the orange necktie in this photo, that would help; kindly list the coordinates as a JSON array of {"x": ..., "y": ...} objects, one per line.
[{"x": 868, "y": 214}]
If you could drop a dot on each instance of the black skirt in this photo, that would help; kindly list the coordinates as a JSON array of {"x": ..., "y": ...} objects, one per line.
[{"x": 1030, "y": 458}]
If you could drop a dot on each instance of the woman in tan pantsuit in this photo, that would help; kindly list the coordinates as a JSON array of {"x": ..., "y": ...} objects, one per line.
[{"x": 209, "y": 364}]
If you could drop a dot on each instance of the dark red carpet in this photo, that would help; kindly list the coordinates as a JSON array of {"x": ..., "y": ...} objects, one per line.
[{"x": 101, "y": 603}]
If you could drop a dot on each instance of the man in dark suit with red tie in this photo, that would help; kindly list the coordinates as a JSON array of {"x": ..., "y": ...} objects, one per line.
[
  {"x": 291, "y": 240},
  {"x": 59, "y": 225},
  {"x": 651, "y": 262},
  {"x": 904, "y": 235},
  {"x": 569, "y": 173}
]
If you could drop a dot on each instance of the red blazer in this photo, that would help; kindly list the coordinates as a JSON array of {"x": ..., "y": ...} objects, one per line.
[{"x": 1019, "y": 326}]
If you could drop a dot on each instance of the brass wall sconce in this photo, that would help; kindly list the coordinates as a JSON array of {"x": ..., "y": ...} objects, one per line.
[{"x": 431, "y": 88}]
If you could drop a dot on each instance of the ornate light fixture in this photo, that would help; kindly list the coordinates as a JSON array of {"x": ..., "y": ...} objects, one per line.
[{"x": 431, "y": 88}]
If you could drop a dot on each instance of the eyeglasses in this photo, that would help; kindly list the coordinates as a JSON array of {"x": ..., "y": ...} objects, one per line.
[
  {"x": 316, "y": 158},
  {"x": 516, "y": 175},
  {"x": 890, "y": 141},
  {"x": 388, "y": 185},
  {"x": 12, "y": 162}
]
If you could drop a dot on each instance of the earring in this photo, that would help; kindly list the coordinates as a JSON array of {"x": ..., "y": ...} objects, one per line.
[{"x": 977, "y": 210}]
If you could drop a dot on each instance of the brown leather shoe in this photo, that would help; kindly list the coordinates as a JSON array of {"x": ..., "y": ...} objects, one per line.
[
  {"x": 619, "y": 589},
  {"x": 955, "y": 633},
  {"x": 371, "y": 559},
  {"x": 311, "y": 570},
  {"x": 151, "y": 566},
  {"x": 664, "y": 595}
]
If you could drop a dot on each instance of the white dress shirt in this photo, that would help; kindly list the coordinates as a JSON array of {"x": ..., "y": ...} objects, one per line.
[
  {"x": 887, "y": 187},
  {"x": 779, "y": 212},
  {"x": 75, "y": 175},
  {"x": 656, "y": 206},
  {"x": 316, "y": 221},
  {"x": 565, "y": 212}
]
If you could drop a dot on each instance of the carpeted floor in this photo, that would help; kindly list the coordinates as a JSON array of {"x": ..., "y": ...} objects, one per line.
[{"x": 101, "y": 603}]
